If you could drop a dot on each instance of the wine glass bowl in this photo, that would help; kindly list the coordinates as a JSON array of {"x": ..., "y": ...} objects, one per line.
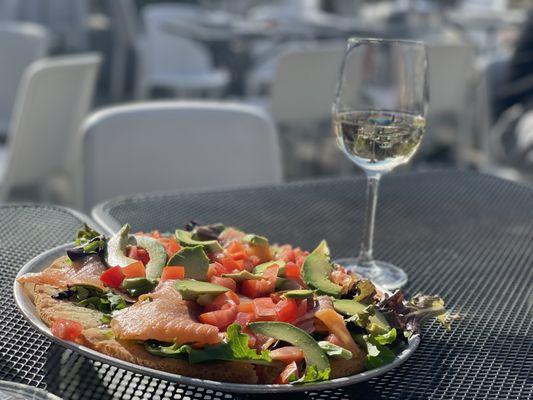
[{"x": 379, "y": 119}]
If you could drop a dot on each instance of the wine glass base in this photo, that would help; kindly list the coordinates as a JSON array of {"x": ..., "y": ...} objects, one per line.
[{"x": 382, "y": 273}]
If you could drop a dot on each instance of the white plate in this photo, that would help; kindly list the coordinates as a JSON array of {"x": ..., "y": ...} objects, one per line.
[{"x": 28, "y": 310}]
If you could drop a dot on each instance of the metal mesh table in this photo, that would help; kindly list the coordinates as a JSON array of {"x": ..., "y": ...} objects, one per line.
[{"x": 463, "y": 235}]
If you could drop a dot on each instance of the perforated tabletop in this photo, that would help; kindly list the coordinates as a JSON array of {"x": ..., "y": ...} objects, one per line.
[{"x": 462, "y": 235}]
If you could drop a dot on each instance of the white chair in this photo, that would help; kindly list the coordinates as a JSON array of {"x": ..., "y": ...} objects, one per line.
[
  {"x": 451, "y": 69},
  {"x": 176, "y": 145},
  {"x": 53, "y": 98},
  {"x": 9, "y": 10},
  {"x": 20, "y": 45},
  {"x": 174, "y": 62}
]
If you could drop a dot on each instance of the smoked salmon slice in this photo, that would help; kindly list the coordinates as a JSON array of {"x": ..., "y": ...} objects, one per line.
[
  {"x": 163, "y": 316},
  {"x": 63, "y": 273}
]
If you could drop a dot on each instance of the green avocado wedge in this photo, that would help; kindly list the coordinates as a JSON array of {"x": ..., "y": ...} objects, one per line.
[
  {"x": 316, "y": 271},
  {"x": 298, "y": 294},
  {"x": 186, "y": 240},
  {"x": 191, "y": 289},
  {"x": 255, "y": 240},
  {"x": 353, "y": 307},
  {"x": 157, "y": 253},
  {"x": 116, "y": 248},
  {"x": 314, "y": 355},
  {"x": 261, "y": 268},
  {"x": 194, "y": 260}
]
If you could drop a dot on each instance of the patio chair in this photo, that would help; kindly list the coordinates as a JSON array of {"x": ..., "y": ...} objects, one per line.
[
  {"x": 173, "y": 62},
  {"x": 53, "y": 97},
  {"x": 451, "y": 71},
  {"x": 20, "y": 45},
  {"x": 176, "y": 145}
]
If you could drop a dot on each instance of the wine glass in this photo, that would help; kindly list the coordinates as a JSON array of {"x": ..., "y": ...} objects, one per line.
[{"x": 379, "y": 120}]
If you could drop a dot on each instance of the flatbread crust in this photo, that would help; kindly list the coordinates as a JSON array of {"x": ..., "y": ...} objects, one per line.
[{"x": 98, "y": 337}]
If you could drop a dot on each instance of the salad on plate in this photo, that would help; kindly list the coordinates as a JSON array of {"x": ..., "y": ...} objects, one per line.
[{"x": 214, "y": 302}]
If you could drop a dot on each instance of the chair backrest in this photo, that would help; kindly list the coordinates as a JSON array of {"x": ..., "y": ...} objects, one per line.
[
  {"x": 54, "y": 96},
  {"x": 9, "y": 10},
  {"x": 20, "y": 45},
  {"x": 168, "y": 52},
  {"x": 450, "y": 70},
  {"x": 176, "y": 145},
  {"x": 304, "y": 85}
]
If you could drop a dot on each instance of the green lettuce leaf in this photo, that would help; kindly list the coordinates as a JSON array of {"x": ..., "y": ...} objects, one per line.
[
  {"x": 234, "y": 349},
  {"x": 333, "y": 350},
  {"x": 386, "y": 338},
  {"x": 312, "y": 374}
]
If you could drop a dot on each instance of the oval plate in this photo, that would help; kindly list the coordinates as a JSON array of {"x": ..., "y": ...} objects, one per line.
[{"x": 28, "y": 310}]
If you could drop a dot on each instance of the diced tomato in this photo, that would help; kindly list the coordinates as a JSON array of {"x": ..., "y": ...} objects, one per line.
[
  {"x": 171, "y": 245},
  {"x": 264, "y": 309},
  {"x": 112, "y": 277},
  {"x": 230, "y": 264},
  {"x": 220, "y": 318},
  {"x": 235, "y": 247},
  {"x": 302, "y": 307},
  {"x": 66, "y": 329},
  {"x": 215, "y": 268},
  {"x": 140, "y": 254},
  {"x": 290, "y": 370},
  {"x": 240, "y": 256},
  {"x": 134, "y": 270},
  {"x": 226, "y": 282},
  {"x": 222, "y": 300},
  {"x": 173, "y": 272},
  {"x": 287, "y": 354},
  {"x": 287, "y": 310},
  {"x": 292, "y": 271}
]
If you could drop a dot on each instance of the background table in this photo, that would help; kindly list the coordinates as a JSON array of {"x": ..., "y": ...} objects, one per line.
[{"x": 463, "y": 235}]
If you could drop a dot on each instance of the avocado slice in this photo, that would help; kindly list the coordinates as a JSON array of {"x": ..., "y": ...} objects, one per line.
[
  {"x": 353, "y": 307},
  {"x": 316, "y": 270},
  {"x": 137, "y": 286},
  {"x": 255, "y": 240},
  {"x": 186, "y": 240},
  {"x": 116, "y": 248},
  {"x": 157, "y": 253},
  {"x": 116, "y": 251},
  {"x": 191, "y": 289},
  {"x": 261, "y": 268},
  {"x": 298, "y": 294},
  {"x": 242, "y": 276},
  {"x": 194, "y": 260},
  {"x": 313, "y": 354}
]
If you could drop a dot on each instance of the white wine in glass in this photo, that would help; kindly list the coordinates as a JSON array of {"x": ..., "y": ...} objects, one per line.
[{"x": 379, "y": 119}]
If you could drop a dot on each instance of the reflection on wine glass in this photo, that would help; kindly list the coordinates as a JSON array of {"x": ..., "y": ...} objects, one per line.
[{"x": 379, "y": 119}]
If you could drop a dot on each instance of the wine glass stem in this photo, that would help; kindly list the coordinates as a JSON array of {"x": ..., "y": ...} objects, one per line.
[{"x": 366, "y": 257}]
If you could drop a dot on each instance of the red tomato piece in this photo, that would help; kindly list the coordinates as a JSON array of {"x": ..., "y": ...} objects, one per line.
[
  {"x": 226, "y": 282},
  {"x": 291, "y": 370},
  {"x": 287, "y": 310},
  {"x": 287, "y": 354},
  {"x": 222, "y": 300},
  {"x": 140, "y": 254},
  {"x": 171, "y": 245},
  {"x": 173, "y": 272},
  {"x": 66, "y": 329},
  {"x": 264, "y": 309},
  {"x": 235, "y": 247},
  {"x": 220, "y": 318},
  {"x": 112, "y": 277},
  {"x": 230, "y": 264},
  {"x": 134, "y": 270},
  {"x": 292, "y": 271}
]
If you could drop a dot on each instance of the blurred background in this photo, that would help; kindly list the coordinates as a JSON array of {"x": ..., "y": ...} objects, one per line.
[{"x": 100, "y": 98}]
